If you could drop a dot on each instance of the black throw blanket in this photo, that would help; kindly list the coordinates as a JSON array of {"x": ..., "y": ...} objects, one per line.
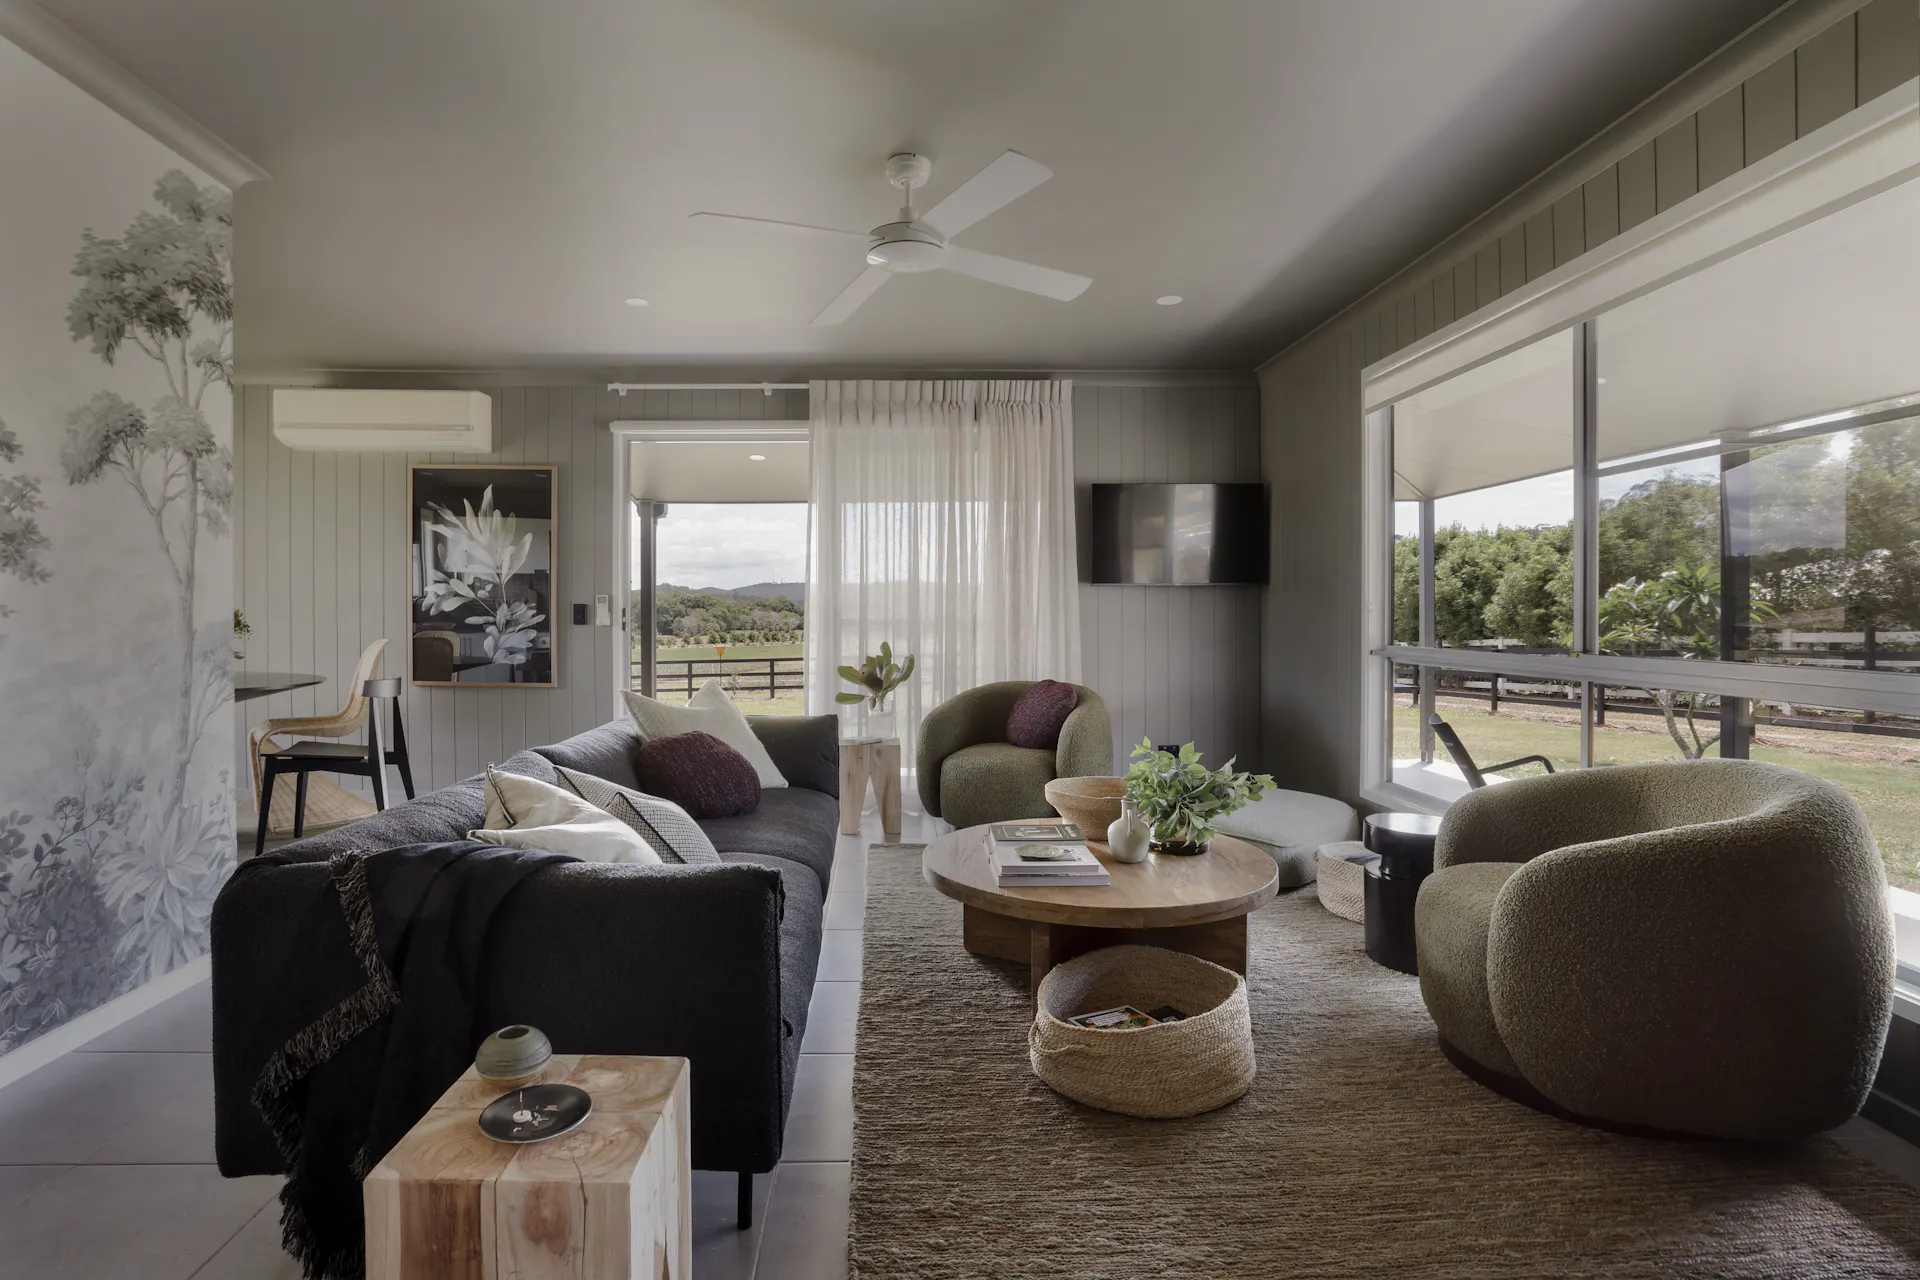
[{"x": 375, "y": 1025}]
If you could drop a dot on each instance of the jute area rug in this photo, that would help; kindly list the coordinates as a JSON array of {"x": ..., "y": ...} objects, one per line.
[{"x": 1358, "y": 1152}]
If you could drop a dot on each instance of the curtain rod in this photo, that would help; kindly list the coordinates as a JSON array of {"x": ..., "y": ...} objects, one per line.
[{"x": 767, "y": 388}]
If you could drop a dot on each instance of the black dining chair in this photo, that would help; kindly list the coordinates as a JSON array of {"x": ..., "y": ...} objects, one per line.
[
  {"x": 1476, "y": 775},
  {"x": 369, "y": 761}
]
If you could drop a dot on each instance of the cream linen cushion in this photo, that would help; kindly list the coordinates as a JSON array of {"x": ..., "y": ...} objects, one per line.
[
  {"x": 525, "y": 813},
  {"x": 709, "y": 711}
]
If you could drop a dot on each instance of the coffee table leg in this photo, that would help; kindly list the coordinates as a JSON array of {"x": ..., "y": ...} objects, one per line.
[
  {"x": 986, "y": 933},
  {"x": 854, "y": 772}
]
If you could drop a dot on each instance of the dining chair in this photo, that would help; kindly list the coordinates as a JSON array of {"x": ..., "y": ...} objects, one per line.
[
  {"x": 348, "y": 720},
  {"x": 300, "y": 759}
]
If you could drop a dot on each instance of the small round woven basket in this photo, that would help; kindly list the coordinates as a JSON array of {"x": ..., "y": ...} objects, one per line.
[
  {"x": 1172, "y": 1069},
  {"x": 1340, "y": 874}
]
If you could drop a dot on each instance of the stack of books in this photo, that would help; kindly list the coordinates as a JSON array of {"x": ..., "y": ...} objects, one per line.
[{"x": 1033, "y": 854}]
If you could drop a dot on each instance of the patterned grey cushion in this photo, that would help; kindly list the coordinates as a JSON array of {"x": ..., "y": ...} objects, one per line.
[{"x": 661, "y": 823}]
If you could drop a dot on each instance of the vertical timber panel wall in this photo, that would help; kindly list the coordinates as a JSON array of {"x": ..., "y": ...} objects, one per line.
[
  {"x": 1174, "y": 664},
  {"x": 325, "y": 566},
  {"x": 1804, "y": 67}
]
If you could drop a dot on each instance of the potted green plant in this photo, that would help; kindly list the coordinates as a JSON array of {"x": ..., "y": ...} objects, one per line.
[
  {"x": 240, "y": 633},
  {"x": 1183, "y": 798},
  {"x": 877, "y": 677}
]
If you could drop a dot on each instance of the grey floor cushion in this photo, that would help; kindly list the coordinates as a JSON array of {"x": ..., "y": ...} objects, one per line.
[{"x": 1291, "y": 826}]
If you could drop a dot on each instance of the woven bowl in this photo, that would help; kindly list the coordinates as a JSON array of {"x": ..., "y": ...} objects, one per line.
[
  {"x": 1092, "y": 804},
  {"x": 1160, "y": 1072}
]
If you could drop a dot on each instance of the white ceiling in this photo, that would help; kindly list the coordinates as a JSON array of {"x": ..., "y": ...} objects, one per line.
[
  {"x": 720, "y": 470},
  {"x": 460, "y": 183}
]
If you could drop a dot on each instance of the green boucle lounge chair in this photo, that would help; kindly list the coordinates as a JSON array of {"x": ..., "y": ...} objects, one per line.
[{"x": 1700, "y": 947}]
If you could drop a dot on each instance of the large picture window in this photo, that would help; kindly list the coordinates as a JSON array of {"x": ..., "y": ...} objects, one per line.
[{"x": 1688, "y": 526}]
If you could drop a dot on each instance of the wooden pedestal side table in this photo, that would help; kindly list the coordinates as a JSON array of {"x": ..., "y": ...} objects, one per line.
[
  {"x": 609, "y": 1200},
  {"x": 878, "y": 762}
]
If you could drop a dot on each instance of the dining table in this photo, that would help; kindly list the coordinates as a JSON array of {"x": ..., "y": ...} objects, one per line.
[{"x": 248, "y": 685}]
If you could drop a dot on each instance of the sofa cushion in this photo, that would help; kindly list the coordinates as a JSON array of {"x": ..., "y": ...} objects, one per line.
[
  {"x": 1451, "y": 921},
  {"x": 995, "y": 782},
  {"x": 795, "y": 825},
  {"x": 806, "y": 749},
  {"x": 605, "y": 752},
  {"x": 526, "y": 813},
  {"x": 671, "y": 830},
  {"x": 1039, "y": 713},
  {"x": 708, "y": 711},
  {"x": 1291, "y": 826},
  {"x": 698, "y": 772}
]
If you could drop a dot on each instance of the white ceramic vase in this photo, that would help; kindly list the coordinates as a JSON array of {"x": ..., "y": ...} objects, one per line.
[{"x": 1130, "y": 834}]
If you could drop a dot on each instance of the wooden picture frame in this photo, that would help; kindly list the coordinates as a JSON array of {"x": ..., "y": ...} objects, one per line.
[{"x": 482, "y": 552}]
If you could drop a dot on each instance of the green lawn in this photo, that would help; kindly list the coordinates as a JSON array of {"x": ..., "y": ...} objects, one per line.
[{"x": 1883, "y": 774}]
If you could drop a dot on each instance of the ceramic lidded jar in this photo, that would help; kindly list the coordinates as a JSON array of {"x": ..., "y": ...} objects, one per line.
[
  {"x": 513, "y": 1056},
  {"x": 1130, "y": 834}
]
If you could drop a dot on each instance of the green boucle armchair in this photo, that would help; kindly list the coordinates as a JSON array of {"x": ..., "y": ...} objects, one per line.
[
  {"x": 1698, "y": 947},
  {"x": 968, "y": 773}
]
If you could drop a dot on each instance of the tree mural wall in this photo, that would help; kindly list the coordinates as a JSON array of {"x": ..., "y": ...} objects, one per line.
[{"x": 116, "y": 800}]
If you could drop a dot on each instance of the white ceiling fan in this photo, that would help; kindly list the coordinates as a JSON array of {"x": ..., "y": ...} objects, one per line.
[{"x": 922, "y": 241}]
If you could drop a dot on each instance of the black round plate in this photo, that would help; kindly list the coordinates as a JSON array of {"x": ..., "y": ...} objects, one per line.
[{"x": 535, "y": 1113}]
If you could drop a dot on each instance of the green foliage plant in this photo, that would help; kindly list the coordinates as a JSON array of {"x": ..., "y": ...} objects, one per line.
[
  {"x": 877, "y": 677},
  {"x": 1183, "y": 798}
]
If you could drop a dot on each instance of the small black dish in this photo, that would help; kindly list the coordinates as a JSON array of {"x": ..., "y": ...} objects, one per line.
[{"x": 535, "y": 1113}]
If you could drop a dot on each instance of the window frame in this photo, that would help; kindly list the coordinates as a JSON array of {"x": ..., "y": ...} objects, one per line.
[{"x": 1865, "y": 152}]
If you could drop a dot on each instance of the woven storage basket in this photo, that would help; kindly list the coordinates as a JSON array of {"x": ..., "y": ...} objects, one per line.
[
  {"x": 1341, "y": 874},
  {"x": 1172, "y": 1069}
]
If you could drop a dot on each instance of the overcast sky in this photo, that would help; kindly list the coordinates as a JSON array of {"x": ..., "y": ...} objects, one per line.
[{"x": 732, "y": 544}]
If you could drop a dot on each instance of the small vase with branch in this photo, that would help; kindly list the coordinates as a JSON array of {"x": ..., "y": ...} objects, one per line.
[{"x": 877, "y": 676}]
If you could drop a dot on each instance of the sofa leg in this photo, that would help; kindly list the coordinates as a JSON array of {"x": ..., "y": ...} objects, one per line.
[{"x": 743, "y": 1207}]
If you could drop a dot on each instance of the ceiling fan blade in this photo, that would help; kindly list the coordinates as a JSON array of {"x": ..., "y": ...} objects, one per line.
[
  {"x": 789, "y": 228},
  {"x": 864, "y": 286},
  {"x": 1045, "y": 281},
  {"x": 999, "y": 184}
]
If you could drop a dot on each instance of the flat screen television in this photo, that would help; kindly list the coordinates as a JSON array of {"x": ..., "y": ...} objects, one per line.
[{"x": 1182, "y": 535}]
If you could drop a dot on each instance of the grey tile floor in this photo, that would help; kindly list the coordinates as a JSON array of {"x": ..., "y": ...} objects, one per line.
[{"x": 106, "y": 1156}]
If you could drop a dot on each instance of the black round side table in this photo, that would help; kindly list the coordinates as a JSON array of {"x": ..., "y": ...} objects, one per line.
[{"x": 1404, "y": 842}]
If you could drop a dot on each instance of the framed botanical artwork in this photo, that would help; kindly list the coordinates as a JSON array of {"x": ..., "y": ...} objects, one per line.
[{"x": 482, "y": 562}]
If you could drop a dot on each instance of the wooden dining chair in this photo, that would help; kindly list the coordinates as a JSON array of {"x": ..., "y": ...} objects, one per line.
[
  {"x": 300, "y": 759},
  {"x": 348, "y": 720}
]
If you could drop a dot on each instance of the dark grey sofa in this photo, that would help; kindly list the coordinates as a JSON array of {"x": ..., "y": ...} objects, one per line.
[{"x": 711, "y": 963}]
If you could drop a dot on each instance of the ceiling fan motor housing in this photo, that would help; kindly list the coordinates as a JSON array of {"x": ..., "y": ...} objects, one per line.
[{"x": 905, "y": 247}]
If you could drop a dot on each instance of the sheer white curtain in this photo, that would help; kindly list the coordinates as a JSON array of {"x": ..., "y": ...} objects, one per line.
[{"x": 943, "y": 523}]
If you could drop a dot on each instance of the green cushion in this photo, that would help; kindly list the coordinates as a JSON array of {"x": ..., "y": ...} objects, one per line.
[
  {"x": 1450, "y": 925},
  {"x": 995, "y": 782}
]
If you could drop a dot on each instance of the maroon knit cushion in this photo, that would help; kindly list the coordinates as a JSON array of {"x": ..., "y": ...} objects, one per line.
[
  {"x": 698, "y": 772},
  {"x": 1036, "y": 719}
]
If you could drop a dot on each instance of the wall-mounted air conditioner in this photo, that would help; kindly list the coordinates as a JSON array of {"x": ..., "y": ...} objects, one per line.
[{"x": 319, "y": 420}]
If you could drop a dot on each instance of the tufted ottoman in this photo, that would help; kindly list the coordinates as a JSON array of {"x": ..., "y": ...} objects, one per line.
[{"x": 1290, "y": 827}]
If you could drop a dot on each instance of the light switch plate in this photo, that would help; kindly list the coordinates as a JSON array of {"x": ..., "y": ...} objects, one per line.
[{"x": 602, "y": 614}]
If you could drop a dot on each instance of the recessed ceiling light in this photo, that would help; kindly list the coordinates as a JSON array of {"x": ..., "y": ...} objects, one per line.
[
  {"x": 756, "y": 457},
  {"x": 1169, "y": 300},
  {"x": 638, "y": 302}
]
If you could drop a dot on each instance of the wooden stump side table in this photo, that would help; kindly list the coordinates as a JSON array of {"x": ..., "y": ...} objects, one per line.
[
  {"x": 609, "y": 1200},
  {"x": 878, "y": 762}
]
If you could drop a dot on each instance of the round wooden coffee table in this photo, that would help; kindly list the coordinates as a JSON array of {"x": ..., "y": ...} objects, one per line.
[{"x": 1197, "y": 904}]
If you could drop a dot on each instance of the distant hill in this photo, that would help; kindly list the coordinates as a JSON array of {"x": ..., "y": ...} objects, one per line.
[{"x": 795, "y": 591}]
